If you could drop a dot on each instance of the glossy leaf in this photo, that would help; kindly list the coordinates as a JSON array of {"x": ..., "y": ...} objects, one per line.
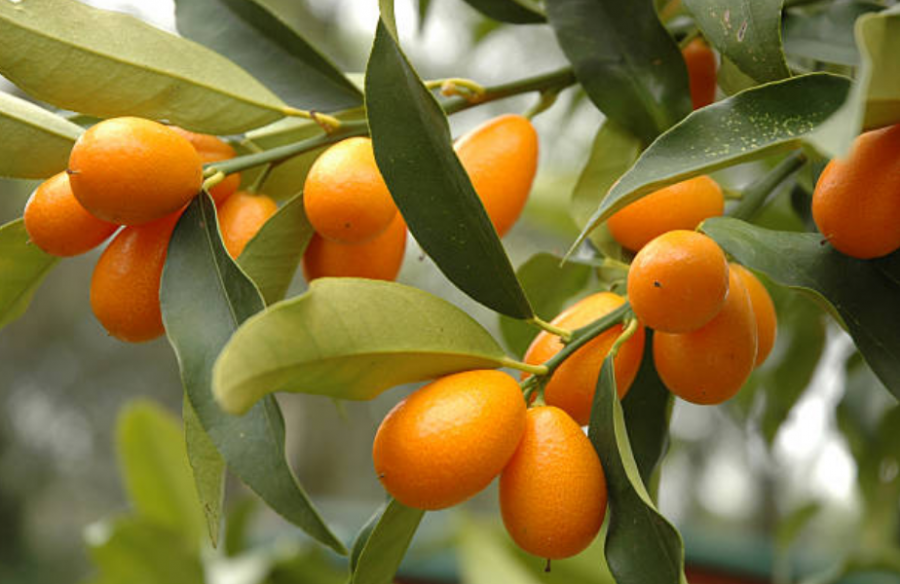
[
  {"x": 154, "y": 466},
  {"x": 272, "y": 256},
  {"x": 36, "y": 142},
  {"x": 23, "y": 267},
  {"x": 857, "y": 290},
  {"x": 387, "y": 544},
  {"x": 748, "y": 126},
  {"x": 415, "y": 154},
  {"x": 747, "y": 32},
  {"x": 204, "y": 298},
  {"x": 626, "y": 61},
  {"x": 512, "y": 11},
  {"x": 258, "y": 39},
  {"x": 827, "y": 33},
  {"x": 874, "y": 100},
  {"x": 207, "y": 469},
  {"x": 641, "y": 545},
  {"x": 157, "y": 75},
  {"x": 548, "y": 285},
  {"x": 349, "y": 338}
]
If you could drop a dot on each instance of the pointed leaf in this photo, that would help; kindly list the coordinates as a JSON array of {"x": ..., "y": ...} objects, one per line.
[
  {"x": 857, "y": 290},
  {"x": 349, "y": 338},
  {"x": 748, "y": 32},
  {"x": 36, "y": 142},
  {"x": 641, "y": 545},
  {"x": 387, "y": 544},
  {"x": 826, "y": 34},
  {"x": 23, "y": 266},
  {"x": 110, "y": 64},
  {"x": 626, "y": 61},
  {"x": 260, "y": 40},
  {"x": 512, "y": 11},
  {"x": 414, "y": 152},
  {"x": 208, "y": 470},
  {"x": 204, "y": 298}
]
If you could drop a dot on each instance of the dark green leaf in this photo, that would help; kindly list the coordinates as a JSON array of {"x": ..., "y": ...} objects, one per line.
[
  {"x": 549, "y": 285},
  {"x": 626, "y": 61},
  {"x": 827, "y": 33},
  {"x": 512, "y": 11},
  {"x": 386, "y": 545},
  {"x": 751, "y": 125},
  {"x": 349, "y": 338},
  {"x": 23, "y": 266},
  {"x": 857, "y": 290},
  {"x": 362, "y": 538},
  {"x": 256, "y": 37},
  {"x": 207, "y": 467},
  {"x": 641, "y": 545},
  {"x": 748, "y": 32},
  {"x": 36, "y": 143},
  {"x": 414, "y": 152},
  {"x": 204, "y": 298},
  {"x": 76, "y": 57},
  {"x": 272, "y": 256}
]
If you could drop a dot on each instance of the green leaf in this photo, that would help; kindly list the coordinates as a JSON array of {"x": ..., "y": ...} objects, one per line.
[
  {"x": 208, "y": 470},
  {"x": 23, "y": 267},
  {"x": 549, "y": 284},
  {"x": 874, "y": 100},
  {"x": 272, "y": 256},
  {"x": 349, "y": 338},
  {"x": 827, "y": 33},
  {"x": 646, "y": 408},
  {"x": 748, "y": 32},
  {"x": 641, "y": 545},
  {"x": 258, "y": 39},
  {"x": 857, "y": 290},
  {"x": 386, "y": 545},
  {"x": 512, "y": 11},
  {"x": 110, "y": 64},
  {"x": 750, "y": 125},
  {"x": 626, "y": 61},
  {"x": 362, "y": 538},
  {"x": 613, "y": 152},
  {"x": 414, "y": 152},
  {"x": 36, "y": 143},
  {"x": 154, "y": 466},
  {"x": 204, "y": 297}
]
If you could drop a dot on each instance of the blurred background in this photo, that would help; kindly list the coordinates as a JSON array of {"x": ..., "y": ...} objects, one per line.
[{"x": 770, "y": 486}]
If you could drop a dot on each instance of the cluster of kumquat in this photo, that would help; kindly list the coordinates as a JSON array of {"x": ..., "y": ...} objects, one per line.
[{"x": 138, "y": 174}]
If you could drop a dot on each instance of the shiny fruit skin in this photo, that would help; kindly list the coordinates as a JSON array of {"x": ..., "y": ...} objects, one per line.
[
  {"x": 379, "y": 259},
  {"x": 500, "y": 157},
  {"x": 345, "y": 197},
  {"x": 763, "y": 311},
  {"x": 240, "y": 218},
  {"x": 856, "y": 202},
  {"x": 553, "y": 491},
  {"x": 677, "y": 283},
  {"x": 683, "y": 205},
  {"x": 125, "y": 284},
  {"x": 58, "y": 224},
  {"x": 449, "y": 439},
  {"x": 701, "y": 66},
  {"x": 213, "y": 149},
  {"x": 709, "y": 365},
  {"x": 572, "y": 386},
  {"x": 132, "y": 171}
]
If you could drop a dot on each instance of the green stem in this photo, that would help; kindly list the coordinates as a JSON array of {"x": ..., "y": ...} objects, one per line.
[
  {"x": 756, "y": 194},
  {"x": 526, "y": 367},
  {"x": 624, "y": 336},
  {"x": 564, "y": 334},
  {"x": 585, "y": 334}
]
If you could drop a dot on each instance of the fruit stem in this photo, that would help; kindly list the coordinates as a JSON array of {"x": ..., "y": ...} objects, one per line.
[
  {"x": 213, "y": 180},
  {"x": 465, "y": 88},
  {"x": 526, "y": 367},
  {"x": 626, "y": 334},
  {"x": 756, "y": 194},
  {"x": 585, "y": 334},
  {"x": 545, "y": 101},
  {"x": 564, "y": 334},
  {"x": 328, "y": 123}
]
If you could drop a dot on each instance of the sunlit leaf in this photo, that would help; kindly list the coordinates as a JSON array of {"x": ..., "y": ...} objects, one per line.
[{"x": 36, "y": 142}]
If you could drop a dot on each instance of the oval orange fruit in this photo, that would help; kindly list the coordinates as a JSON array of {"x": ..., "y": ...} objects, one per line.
[
  {"x": 213, "y": 149},
  {"x": 378, "y": 259},
  {"x": 763, "y": 311},
  {"x": 701, "y": 66},
  {"x": 241, "y": 216}
]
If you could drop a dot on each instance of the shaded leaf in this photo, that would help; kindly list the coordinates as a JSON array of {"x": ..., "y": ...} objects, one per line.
[
  {"x": 36, "y": 142},
  {"x": 414, "y": 152},
  {"x": 204, "y": 298},
  {"x": 349, "y": 338},
  {"x": 207, "y": 468},
  {"x": 748, "y": 32},
  {"x": 863, "y": 297},
  {"x": 126, "y": 67},
  {"x": 512, "y": 11},
  {"x": 626, "y": 61},
  {"x": 23, "y": 267},
  {"x": 252, "y": 34},
  {"x": 827, "y": 33},
  {"x": 385, "y": 547},
  {"x": 362, "y": 538}
]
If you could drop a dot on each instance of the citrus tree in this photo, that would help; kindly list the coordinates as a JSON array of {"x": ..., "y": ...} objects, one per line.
[{"x": 220, "y": 160}]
